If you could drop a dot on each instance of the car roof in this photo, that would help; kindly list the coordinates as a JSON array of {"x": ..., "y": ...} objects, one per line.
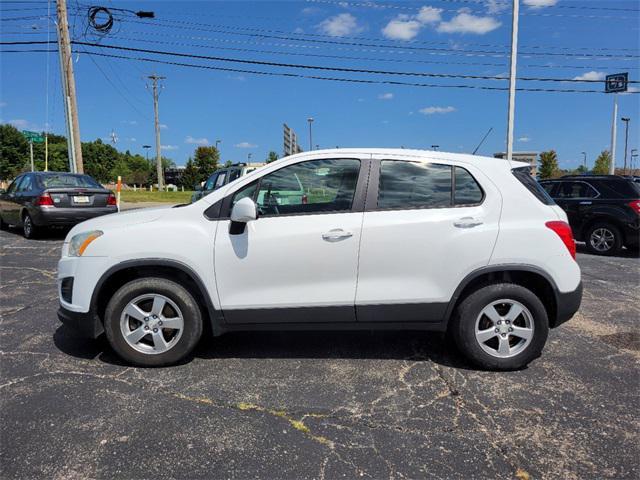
[{"x": 479, "y": 160}]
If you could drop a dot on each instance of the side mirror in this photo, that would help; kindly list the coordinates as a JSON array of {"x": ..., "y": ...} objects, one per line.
[{"x": 244, "y": 211}]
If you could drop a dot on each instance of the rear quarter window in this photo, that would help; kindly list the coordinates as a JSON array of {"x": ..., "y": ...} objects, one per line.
[{"x": 524, "y": 177}]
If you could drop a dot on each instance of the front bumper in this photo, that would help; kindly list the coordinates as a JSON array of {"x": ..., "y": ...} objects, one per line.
[
  {"x": 85, "y": 324},
  {"x": 45, "y": 216},
  {"x": 568, "y": 305}
]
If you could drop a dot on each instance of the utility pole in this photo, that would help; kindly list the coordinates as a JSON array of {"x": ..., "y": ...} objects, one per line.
[
  {"x": 584, "y": 160},
  {"x": 154, "y": 78},
  {"x": 31, "y": 155},
  {"x": 512, "y": 77},
  {"x": 626, "y": 141},
  {"x": 310, "y": 120},
  {"x": 69, "y": 89},
  {"x": 614, "y": 121}
]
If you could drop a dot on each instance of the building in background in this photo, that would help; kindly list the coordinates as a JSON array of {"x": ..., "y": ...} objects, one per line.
[
  {"x": 291, "y": 146},
  {"x": 528, "y": 157}
]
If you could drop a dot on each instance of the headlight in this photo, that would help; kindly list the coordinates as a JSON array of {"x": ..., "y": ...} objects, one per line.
[{"x": 81, "y": 241}]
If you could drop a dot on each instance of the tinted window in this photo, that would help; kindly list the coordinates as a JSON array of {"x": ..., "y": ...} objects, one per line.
[
  {"x": 467, "y": 191},
  {"x": 234, "y": 174},
  {"x": 575, "y": 190},
  {"x": 406, "y": 184},
  {"x": 548, "y": 186},
  {"x": 524, "y": 176},
  {"x": 62, "y": 180},
  {"x": 618, "y": 188},
  {"x": 14, "y": 185},
  {"x": 27, "y": 184},
  {"x": 308, "y": 187},
  {"x": 220, "y": 180},
  {"x": 211, "y": 181}
]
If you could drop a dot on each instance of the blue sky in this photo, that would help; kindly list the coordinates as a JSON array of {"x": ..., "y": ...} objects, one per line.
[{"x": 559, "y": 39}]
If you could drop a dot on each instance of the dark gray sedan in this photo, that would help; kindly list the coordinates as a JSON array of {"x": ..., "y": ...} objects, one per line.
[{"x": 41, "y": 199}]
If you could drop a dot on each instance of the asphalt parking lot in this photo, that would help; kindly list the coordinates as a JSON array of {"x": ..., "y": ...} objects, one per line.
[{"x": 308, "y": 405}]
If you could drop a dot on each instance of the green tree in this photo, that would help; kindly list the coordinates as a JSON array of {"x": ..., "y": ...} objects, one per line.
[
  {"x": 190, "y": 177},
  {"x": 601, "y": 165},
  {"x": 548, "y": 165},
  {"x": 140, "y": 170},
  {"x": 14, "y": 152},
  {"x": 272, "y": 157},
  {"x": 581, "y": 170},
  {"x": 57, "y": 154},
  {"x": 206, "y": 160},
  {"x": 99, "y": 160}
]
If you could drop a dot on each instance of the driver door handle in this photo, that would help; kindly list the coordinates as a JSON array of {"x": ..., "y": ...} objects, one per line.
[
  {"x": 467, "y": 222},
  {"x": 336, "y": 234}
]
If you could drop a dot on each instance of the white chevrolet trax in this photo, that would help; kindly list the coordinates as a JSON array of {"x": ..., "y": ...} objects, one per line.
[{"x": 345, "y": 239}]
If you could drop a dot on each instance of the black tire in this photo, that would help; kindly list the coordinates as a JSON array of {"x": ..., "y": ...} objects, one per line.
[
  {"x": 29, "y": 229},
  {"x": 616, "y": 244},
  {"x": 464, "y": 324},
  {"x": 3, "y": 226},
  {"x": 192, "y": 321}
]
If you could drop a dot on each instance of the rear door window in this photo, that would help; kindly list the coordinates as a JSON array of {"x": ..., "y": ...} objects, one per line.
[
  {"x": 220, "y": 180},
  {"x": 405, "y": 184},
  {"x": 466, "y": 191},
  {"x": 523, "y": 174}
]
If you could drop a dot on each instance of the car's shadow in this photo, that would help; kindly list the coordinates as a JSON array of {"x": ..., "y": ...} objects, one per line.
[
  {"x": 624, "y": 253},
  {"x": 348, "y": 345},
  {"x": 49, "y": 233}
]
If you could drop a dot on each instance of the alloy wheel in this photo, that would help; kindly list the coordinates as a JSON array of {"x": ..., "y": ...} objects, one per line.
[
  {"x": 504, "y": 328},
  {"x": 151, "y": 323},
  {"x": 602, "y": 239}
]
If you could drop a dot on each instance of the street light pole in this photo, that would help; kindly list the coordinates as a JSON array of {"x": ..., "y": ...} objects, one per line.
[
  {"x": 626, "y": 141},
  {"x": 584, "y": 160},
  {"x": 435, "y": 147},
  {"x": 218, "y": 142},
  {"x": 147, "y": 147},
  {"x": 310, "y": 120},
  {"x": 633, "y": 155},
  {"x": 614, "y": 121}
]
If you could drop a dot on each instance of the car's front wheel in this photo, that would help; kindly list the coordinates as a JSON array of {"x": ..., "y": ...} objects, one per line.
[
  {"x": 501, "y": 326},
  {"x": 153, "y": 322}
]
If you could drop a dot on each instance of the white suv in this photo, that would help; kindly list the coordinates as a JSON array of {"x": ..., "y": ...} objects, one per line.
[{"x": 379, "y": 239}]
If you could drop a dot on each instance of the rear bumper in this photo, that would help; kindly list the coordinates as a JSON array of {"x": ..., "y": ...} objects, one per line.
[
  {"x": 85, "y": 324},
  {"x": 45, "y": 216},
  {"x": 568, "y": 305}
]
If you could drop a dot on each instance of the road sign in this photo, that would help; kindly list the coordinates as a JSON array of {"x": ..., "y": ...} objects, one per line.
[
  {"x": 616, "y": 83},
  {"x": 33, "y": 137}
]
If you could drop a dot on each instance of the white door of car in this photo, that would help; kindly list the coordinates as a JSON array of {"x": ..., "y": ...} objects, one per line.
[
  {"x": 298, "y": 261},
  {"x": 426, "y": 226}
]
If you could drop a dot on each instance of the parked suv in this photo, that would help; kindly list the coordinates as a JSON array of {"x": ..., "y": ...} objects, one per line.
[
  {"x": 221, "y": 177},
  {"x": 37, "y": 200},
  {"x": 603, "y": 210},
  {"x": 381, "y": 239}
]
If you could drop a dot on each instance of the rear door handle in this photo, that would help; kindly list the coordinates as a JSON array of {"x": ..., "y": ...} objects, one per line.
[
  {"x": 336, "y": 234},
  {"x": 467, "y": 222}
]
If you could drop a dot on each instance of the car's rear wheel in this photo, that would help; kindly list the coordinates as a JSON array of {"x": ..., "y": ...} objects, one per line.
[
  {"x": 502, "y": 326},
  {"x": 3, "y": 225},
  {"x": 153, "y": 322},
  {"x": 603, "y": 239},
  {"x": 29, "y": 229}
]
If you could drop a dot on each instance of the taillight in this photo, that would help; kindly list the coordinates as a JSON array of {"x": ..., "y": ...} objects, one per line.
[
  {"x": 563, "y": 230},
  {"x": 111, "y": 200},
  {"x": 635, "y": 206},
  {"x": 44, "y": 200}
]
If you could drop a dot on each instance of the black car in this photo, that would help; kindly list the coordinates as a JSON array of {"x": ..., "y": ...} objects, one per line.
[
  {"x": 603, "y": 210},
  {"x": 41, "y": 199},
  {"x": 221, "y": 177}
]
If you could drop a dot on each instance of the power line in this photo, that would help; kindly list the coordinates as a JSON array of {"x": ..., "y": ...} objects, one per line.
[
  {"x": 439, "y": 51},
  {"x": 315, "y": 77},
  {"x": 308, "y": 67}
]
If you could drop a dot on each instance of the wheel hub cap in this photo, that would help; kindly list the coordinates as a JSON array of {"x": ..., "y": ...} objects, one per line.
[{"x": 504, "y": 328}]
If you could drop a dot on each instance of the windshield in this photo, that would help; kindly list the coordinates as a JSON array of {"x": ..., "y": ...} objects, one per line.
[{"x": 68, "y": 181}]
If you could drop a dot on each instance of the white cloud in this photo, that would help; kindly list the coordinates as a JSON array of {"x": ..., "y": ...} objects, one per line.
[
  {"x": 524, "y": 139},
  {"x": 129, "y": 122},
  {"x": 132, "y": 139},
  {"x": 245, "y": 145},
  {"x": 310, "y": 10},
  {"x": 496, "y": 6},
  {"x": 441, "y": 110},
  {"x": 467, "y": 23},
  {"x": 386, "y": 96},
  {"x": 340, "y": 25},
  {"x": 298, "y": 30},
  {"x": 169, "y": 147},
  {"x": 196, "y": 141},
  {"x": 630, "y": 90},
  {"x": 402, "y": 28},
  {"x": 592, "y": 75},
  {"x": 539, "y": 3},
  {"x": 163, "y": 126},
  {"x": 19, "y": 123},
  {"x": 238, "y": 78},
  {"x": 429, "y": 15}
]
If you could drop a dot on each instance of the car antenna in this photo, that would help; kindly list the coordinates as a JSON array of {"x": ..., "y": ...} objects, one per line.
[{"x": 482, "y": 141}]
